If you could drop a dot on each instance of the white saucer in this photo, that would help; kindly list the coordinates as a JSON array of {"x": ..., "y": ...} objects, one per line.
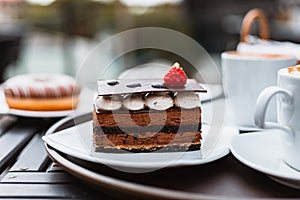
[
  {"x": 77, "y": 141},
  {"x": 263, "y": 151},
  {"x": 27, "y": 113}
]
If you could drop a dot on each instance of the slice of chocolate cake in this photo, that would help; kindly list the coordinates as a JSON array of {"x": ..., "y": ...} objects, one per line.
[{"x": 146, "y": 116}]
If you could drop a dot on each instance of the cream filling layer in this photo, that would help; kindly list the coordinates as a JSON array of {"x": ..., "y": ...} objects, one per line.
[
  {"x": 187, "y": 100},
  {"x": 133, "y": 102},
  {"x": 156, "y": 101},
  {"x": 108, "y": 103},
  {"x": 159, "y": 101}
]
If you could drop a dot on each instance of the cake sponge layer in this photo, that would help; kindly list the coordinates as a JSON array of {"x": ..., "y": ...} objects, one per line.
[
  {"x": 149, "y": 148},
  {"x": 171, "y": 117},
  {"x": 160, "y": 138},
  {"x": 147, "y": 130}
]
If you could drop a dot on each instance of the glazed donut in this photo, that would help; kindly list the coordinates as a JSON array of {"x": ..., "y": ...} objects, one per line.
[{"x": 42, "y": 92}]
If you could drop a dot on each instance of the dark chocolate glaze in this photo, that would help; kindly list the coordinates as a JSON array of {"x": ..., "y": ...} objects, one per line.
[{"x": 146, "y": 85}]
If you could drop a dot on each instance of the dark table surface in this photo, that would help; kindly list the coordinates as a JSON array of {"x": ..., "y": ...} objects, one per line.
[{"x": 27, "y": 172}]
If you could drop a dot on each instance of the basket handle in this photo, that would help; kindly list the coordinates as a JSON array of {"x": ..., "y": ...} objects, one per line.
[{"x": 248, "y": 22}]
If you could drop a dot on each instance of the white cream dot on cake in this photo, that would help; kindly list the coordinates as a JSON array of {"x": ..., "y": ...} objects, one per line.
[
  {"x": 159, "y": 101},
  {"x": 108, "y": 103},
  {"x": 187, "y": 100},
  {"x": 133, "y": 102}
]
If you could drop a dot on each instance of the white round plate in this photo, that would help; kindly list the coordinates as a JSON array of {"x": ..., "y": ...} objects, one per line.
[
  {"x": 77, "y": 142},
  {"x": 262, "y": 151},
  {"x": 120, "y": 187},
  {"x": 28, "y": 113}
]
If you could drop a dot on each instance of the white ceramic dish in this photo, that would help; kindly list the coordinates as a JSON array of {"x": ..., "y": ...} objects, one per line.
[
  {"x": 120, "y": 187},
  {"x": 27, "y": 113},
  {"x": 77, "y": 142},
  {"x": 263, "y": 151},
  {"x": 124, "y": 188}
]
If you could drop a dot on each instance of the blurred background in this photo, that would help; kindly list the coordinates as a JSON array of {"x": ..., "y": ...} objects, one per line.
[{"x": 58, "y": 35}]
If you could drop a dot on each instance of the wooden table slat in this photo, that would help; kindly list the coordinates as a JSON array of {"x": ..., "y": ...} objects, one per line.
[
  {"x": 33, "y": 158},
  {"x": 6, "y": 122},
  {"x": 38, "y": 177},
  {"x": 42, "y": 191},
  {"x": 12, "y": 142}
]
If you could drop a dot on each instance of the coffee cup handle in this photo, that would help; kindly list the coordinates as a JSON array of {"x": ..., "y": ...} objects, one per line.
[
  {"x": 261, "y": 107},
  {"x": 247, "y": 23}
]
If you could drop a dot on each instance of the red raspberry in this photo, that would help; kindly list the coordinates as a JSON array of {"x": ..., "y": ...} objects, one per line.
[{"x": 175, "y": 77}]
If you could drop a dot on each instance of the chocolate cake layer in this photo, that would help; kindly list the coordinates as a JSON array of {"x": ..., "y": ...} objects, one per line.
[
  {"x": 149, "y": 138},
  {"x": 147, "y": 130},
  {"x": 142, "y": 130},
  {"x": 109, "y": 87},
  {"x": 171, "y": 117},
  {"x": 173, "y": 148}
]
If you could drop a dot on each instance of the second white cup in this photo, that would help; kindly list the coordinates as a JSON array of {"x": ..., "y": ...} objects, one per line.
[
  {"x": 288, "y": 107},
  {"x": 244, "y": 77}
]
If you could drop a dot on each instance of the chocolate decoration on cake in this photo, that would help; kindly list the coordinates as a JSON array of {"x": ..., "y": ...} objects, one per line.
[
  {"x": 104, "y": 87},
  {"x": 158, "y": 86},
  {"x": 134, "y": 85},
  {"x": 112, "y": 83}
]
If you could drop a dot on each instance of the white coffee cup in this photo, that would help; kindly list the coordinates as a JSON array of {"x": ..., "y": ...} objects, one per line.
[
  {"x": 288, "y": 111},
  {"x": 245, "y": 75}
]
